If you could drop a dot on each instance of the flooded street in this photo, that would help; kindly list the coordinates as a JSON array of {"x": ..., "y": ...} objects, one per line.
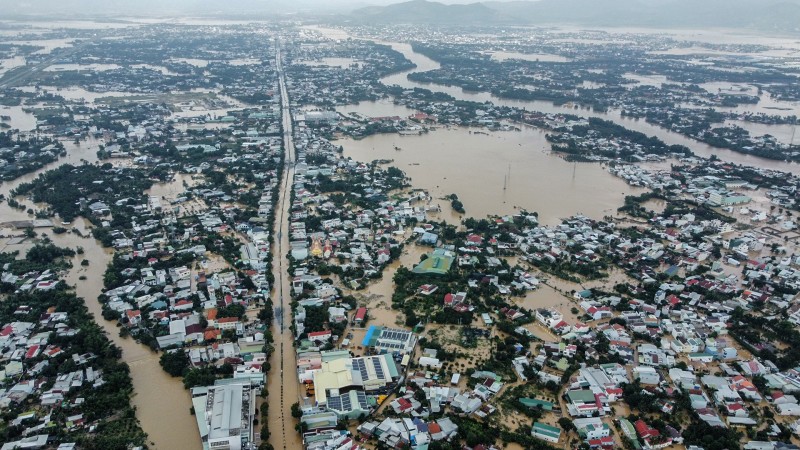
[
  {"x": 282, "y": 383},
  {"x": 377, "y": 297},
  {"x": 478, "y": 166}
]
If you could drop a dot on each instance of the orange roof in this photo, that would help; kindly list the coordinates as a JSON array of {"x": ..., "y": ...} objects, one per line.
[
  {"x": 211, "y": 334},
  {"x": 228, "y": 320},
  {"x": 211, "y": 314}
]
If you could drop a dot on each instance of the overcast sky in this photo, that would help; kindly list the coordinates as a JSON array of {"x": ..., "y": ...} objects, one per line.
[{"x": 149, "y": 7}]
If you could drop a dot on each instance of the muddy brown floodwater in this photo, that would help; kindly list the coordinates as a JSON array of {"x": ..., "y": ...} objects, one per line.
[
  {"x": 497, "y": 172},
  {"x": 162, "y": 404},
  {"x": 424, "y": 64}
]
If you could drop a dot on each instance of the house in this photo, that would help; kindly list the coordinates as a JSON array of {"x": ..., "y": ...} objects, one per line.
[
  {"x": 546, "y": 432},
  {"x": 650, "y": 436},
  {"x": 428, "y": 289},
  {"x": 360, "y": 316},
  {"x": 320, "y": 337},
  {"x": 134, "y": 317},
  {"x": 392, "y": 340},
  {"x": 591, "y": 428},
  {"x": 584, "y": 403},
  {"x": 788, "y": 409},
  {"x": 646, "y": 375}
]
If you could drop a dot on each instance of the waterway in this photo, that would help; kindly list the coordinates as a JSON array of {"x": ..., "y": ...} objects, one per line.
[{"x": 161, "y": 402}]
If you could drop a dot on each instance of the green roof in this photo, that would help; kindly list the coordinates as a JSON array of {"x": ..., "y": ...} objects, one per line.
[
  {"x": 437, "y": 263},
  {"x": 536, "y": 403},
  {"x": 584, "y": 396},
  {"x": 547, "y": 430},
  {"x": 628, "y": 429},
  {"x": 393, "y": 372},
  {"x": 589, "y": 427}
]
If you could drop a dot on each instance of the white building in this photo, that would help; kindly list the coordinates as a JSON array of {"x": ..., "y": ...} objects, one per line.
[{"x": 225, "y": 414}]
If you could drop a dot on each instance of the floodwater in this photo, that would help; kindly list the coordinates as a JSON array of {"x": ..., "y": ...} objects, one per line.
[
  {"x": 535, "y": 57},
  {"x": 192, "y": 61},
  {"x": 244, "y": 61},
  {"x": 381, "y": 108},
  {"x": 163, "y": 70},
  {"x": 162, "y": 404},
  {"x": 423, "y": 63},
  {"x": 478, "y": 165},
  {"x": 10, "y": 63},
  {"x": 784, "y": 133},
  {"x": 18, "y": 118},
  {"x": 48, "y": 45},
  {"x": 646, "y": 80},
  {"x": 766, "y": 105},
  {"x": 76, "y": 93},
  {"x": 81, "y": 67},
  {"x": 341, "y": 63},
  {"x": 282, "y": 383}
]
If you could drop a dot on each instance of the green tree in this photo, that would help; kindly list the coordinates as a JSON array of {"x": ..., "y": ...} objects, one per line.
[{"x": 175, "y": 363}]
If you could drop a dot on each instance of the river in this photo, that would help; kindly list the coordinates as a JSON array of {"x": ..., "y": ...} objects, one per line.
[
  {"x": 161, "y": 402},
  {"x": 425, "y": 64}
]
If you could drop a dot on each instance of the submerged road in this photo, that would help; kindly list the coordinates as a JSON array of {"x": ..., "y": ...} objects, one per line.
[{"x": 282, "y": 381}]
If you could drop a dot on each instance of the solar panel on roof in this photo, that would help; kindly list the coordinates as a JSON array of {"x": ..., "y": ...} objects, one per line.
[
  {"x": 362, "y": 368},
  {"x": 362, "y": 399}
]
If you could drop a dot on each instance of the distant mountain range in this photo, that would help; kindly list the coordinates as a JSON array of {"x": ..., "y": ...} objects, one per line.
[
  {"x": 782, "y": 16},
  {"x": 425, "y": 12},
  {"x": 765, "y": 15},
  {"x": 256, "y": 9}
]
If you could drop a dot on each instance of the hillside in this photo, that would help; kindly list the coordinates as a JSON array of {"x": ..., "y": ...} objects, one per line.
[
  {"x": 427, "y": 12},
  {"x": 765, "y": 15}
]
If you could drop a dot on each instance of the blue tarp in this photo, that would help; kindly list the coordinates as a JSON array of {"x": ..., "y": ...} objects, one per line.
[{"x": 368, "y": 336}]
